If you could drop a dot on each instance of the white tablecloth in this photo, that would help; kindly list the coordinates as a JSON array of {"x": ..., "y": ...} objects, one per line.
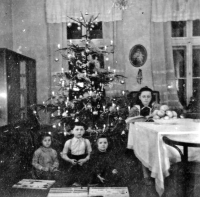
[{"x": 145, "y": 139}]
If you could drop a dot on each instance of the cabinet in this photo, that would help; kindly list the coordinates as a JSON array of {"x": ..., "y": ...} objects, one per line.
[{"x": 17, "y": 86}]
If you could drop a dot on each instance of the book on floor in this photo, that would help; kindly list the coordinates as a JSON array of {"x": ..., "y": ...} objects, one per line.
[
  {"x": 108, "y": 192},
  {"x": 34, "y": 184},
  {"x": 68, "y": 192}
]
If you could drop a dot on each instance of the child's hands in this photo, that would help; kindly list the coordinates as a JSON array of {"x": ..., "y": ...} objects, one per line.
[
  {"x": 61, "y": 154},
  {"x": 81, "y": 161},
  {"x": 53, "y": 169},
  {"x": 115, "y": 171},
  {"x": 73, "y": 161},
  {"x": 101, "y": 178},
  {"x": 46, "y": 169}
]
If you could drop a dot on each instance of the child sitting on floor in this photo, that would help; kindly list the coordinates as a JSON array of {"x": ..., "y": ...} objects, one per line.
[
  {"x": 103, "y": 173},
  {"x": 77, "y": 151},
  {"x": 45, "y": 161}
]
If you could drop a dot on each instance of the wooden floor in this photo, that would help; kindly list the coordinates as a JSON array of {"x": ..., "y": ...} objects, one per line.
[{"x": 131, "y": 177}]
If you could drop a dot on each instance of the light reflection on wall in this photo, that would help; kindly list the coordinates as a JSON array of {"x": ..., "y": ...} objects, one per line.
[{"x": 3, "y": 95}]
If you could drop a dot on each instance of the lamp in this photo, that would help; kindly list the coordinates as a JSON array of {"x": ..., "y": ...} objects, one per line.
[{"x": 121, "y": 4}]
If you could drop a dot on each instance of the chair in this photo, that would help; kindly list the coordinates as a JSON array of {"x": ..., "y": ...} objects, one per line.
[{"x": 189, "y": 168}]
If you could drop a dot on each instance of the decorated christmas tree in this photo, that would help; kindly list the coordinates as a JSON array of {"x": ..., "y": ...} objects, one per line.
[{"x": 81, "y": 94}]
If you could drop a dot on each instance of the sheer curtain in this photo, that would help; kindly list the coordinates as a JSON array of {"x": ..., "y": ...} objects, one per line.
[
  {"x": 163, "y": 12},
  {"x": 175, "y": 10},
  {"x": 58, "y": 10},
  {"x": 162, "y": 64}
]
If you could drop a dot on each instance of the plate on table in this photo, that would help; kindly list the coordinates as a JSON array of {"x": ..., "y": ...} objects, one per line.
[{"x": 169, "y": 121}]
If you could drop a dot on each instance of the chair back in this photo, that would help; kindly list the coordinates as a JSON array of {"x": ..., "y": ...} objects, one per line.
[
  {"x": 185, "y": 145},
  {"x": 132, "y": 96}
]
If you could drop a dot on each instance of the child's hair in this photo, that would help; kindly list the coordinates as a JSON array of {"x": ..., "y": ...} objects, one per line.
[
  {"x": 138, "y": 101},
  {"x": 94, "y": 56},
  {"x": 79, "y": 124},
  {"x": 102, "y": 136},
  {"x": 43, "y": 135}
]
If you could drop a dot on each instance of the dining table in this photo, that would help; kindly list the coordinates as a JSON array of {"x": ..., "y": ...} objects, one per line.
[{"x": 145, "y": 138}]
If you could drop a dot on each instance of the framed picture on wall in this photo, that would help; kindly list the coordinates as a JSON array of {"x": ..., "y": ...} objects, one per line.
[{"x": 138, "y": 55}]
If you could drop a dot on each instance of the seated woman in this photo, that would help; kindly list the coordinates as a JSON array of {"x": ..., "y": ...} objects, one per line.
[{"x": 145, "y": 105}]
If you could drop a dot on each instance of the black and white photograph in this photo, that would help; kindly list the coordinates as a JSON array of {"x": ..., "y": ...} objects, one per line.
[{"x": 100, "y": 98}]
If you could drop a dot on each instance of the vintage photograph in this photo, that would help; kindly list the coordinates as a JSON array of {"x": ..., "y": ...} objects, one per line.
[
  {"x": 138, "y": 55},
  {"x": 100, "y": 98}
]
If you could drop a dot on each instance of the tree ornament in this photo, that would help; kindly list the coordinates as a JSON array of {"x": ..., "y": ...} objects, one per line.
[
  {"x": 122, "y": 81},
  {"x": 112, "y": 109},
  {"x": 89, "y": 106},
  {"x": 56, "y": 59},
  {"x": 95, "y": 112},
  {"x": 76, "y": 120},
  {"x": 69, "y": 24},
  {"x": 123, "y": 132},
  {"x": 64, "y": 114}
]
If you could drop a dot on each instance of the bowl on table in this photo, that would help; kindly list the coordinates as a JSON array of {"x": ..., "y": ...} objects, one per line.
[{"x": 169, "y": 121}]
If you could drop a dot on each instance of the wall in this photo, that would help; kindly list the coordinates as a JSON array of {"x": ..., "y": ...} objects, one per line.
[
  {"x": 136, "y": 30},
  {"x": 133, "y": 29},
  {"x": 6, "y": 24},
  {"x": 30, "y": 39}
]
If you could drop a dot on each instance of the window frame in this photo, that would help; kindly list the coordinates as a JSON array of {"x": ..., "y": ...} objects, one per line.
[
  {"x": 188, "y": 41},
  {"x": 83, "y": 29}
]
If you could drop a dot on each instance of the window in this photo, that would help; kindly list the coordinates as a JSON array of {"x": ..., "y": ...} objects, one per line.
[
  {"x": 186, "y": 54},
  {"x": 96, "y": 32},
  {"x": 74, "y": 31},
  {"x": 23, "y": 91}
]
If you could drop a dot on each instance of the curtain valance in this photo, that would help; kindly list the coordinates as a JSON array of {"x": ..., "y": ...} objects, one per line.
[
  {"x": 175, "y": 10},
  {"x": 58, "y": 10}
]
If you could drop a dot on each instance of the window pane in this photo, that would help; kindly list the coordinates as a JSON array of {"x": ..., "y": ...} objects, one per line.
[
  {"x": 179, "y": 55},
  {"x": 74, "y": 31},
  {"x": 96, "y": 32},
  {"x": 196, "y": 61},
  {"x": 196, "y": 28},
  {"x": 196, "y": 90},
  {"x": 178, "y": 29},
  {"x": 101, "y": 60},
  {"x": 182, "y": 91}
]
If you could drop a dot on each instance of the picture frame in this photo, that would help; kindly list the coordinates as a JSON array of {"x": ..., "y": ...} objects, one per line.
[{"x": 138, "y": 55}]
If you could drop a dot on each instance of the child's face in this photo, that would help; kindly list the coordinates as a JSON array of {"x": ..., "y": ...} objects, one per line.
[
  {"x": 145, "y": 98},
  {"x": 102, "y": 144},
  {"x": 46, "y": 142},
  {"x": 78, "y": 131},
  {"x": 89, "y": 57}
]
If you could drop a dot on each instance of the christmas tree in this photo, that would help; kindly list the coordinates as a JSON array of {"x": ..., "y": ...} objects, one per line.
[{"x": 81, "y": 95}]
